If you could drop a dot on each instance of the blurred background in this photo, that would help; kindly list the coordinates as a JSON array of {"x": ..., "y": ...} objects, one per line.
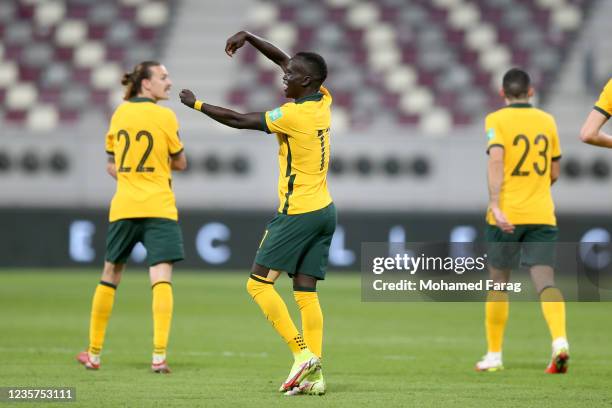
[{"x": 412, "y": 81}]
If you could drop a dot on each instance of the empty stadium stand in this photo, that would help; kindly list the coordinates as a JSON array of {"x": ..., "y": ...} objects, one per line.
[
  {"x": 436, "y": 64},
  {"x": 60, "y": 57}
]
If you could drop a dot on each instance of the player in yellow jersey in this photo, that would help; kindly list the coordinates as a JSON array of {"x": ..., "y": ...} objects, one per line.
[
  {"x": 524, "y": 154},
  {"x": 591, "y": 132},
  {"x": 143, "y": 148},
  {"x": 297, "y": 240}
]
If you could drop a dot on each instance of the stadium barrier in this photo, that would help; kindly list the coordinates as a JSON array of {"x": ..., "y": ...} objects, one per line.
[{"x": 229, "y": 239}]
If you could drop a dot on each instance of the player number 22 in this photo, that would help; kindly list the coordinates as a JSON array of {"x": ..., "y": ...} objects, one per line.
[
  {"x": 539, "y": 140},
  {"x": 141, "y": 167}
]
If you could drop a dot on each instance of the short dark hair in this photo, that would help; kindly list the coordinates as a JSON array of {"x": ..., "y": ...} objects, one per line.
[
  {"x": 133, "y": 80},
  {"x": 516, "y": 83},
  {"x": 315, "y": 64}
]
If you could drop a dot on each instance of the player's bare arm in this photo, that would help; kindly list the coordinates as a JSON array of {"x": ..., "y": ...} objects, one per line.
[
  {"x": 272, "y": 52},
  {"x": 111, "y": 169},
  {"x": 495, "y": 181},
  {"x": 225, "y": 116},
  {"x": 178, "y": 161},
  {"x": 591, "y": 132},
  {"x": 555, "y": 171}
]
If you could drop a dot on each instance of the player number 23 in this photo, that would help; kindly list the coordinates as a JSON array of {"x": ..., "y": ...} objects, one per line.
[
  {"x": 141, "y": 164},
  {"x": 541, "y": 142}
]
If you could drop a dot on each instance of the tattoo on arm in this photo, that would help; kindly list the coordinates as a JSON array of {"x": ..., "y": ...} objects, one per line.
[{"x": 495, "y": 175}]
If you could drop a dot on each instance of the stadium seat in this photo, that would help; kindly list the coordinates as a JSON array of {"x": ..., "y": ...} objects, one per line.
[
  {"x": 70, "y": 33},
  {"x": 48, "y": 14},
  {"x": 21, "y": 96},
  {"x": 8, "y": 73},
  {"x": 44, "y": 117}
]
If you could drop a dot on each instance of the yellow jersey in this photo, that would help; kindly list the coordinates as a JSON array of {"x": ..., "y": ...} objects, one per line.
[
  {"x": 530, "y": 142},
  {"x": 142, "y": 136},
  {"x": 604, "y": 104},
  {"x": 302, "y": 131}
]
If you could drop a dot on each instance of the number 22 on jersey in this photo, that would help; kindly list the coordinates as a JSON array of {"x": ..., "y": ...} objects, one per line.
[{"x": 142, "y": 137}]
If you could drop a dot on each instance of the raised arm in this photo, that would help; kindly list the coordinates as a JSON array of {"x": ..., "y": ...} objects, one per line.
[
  {"x": 272, "y": 52},
  {"x": 225, "y": 116}
]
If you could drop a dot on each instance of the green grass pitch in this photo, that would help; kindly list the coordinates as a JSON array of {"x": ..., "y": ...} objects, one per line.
[{"x": 224, "y": 354}]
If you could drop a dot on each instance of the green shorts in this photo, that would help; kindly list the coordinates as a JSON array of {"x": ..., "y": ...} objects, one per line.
[
  {"x": 529, "y": 245},
  {"x": 161, "y": 237},
  {"x": 298, "y": 243}
]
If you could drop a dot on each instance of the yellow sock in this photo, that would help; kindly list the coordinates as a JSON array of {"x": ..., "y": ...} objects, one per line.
[
  {"x": 312, "y": 320},
  {"x": 553, "y": 308},
  {"x": 101, "y": 309},
  {"x": 162, "y": 316},
  {"x": 496, "y": 316},
  {"x": 274, "y": 308}
]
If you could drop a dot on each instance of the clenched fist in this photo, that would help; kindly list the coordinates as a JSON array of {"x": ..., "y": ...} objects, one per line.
[{"x": 187, "y": 97}]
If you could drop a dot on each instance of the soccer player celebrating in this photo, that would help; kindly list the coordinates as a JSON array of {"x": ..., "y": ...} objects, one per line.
[
  {"x": 297, "y": 240},
  {"x": 591, "y": 132},
  {"x": 524, "y": 154},
  {"x": 143, "y": 147}
]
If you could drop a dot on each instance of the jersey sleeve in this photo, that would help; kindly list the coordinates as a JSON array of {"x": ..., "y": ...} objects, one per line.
[
  {"x": 604, "y": 103},
  {"x": 556, "y": 146},
  {"x": 175, "y": 146},
  {"x": 109, "y": 145},
  {"x": 281, "y": 120},
  {"x": 494, "y": 134},
  {"x": 326, "y": 94}
]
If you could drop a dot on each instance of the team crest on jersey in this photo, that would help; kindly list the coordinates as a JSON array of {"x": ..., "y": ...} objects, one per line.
[
  {"x": 490, "y": 134},
  {"x": 275, "y": 114}
]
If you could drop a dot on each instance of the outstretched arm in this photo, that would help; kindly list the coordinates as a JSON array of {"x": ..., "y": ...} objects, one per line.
[
  {"x": 591, "y": 132},
  {"x": 275, "y": 54},
  {"x": 225, "y": 116}
]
